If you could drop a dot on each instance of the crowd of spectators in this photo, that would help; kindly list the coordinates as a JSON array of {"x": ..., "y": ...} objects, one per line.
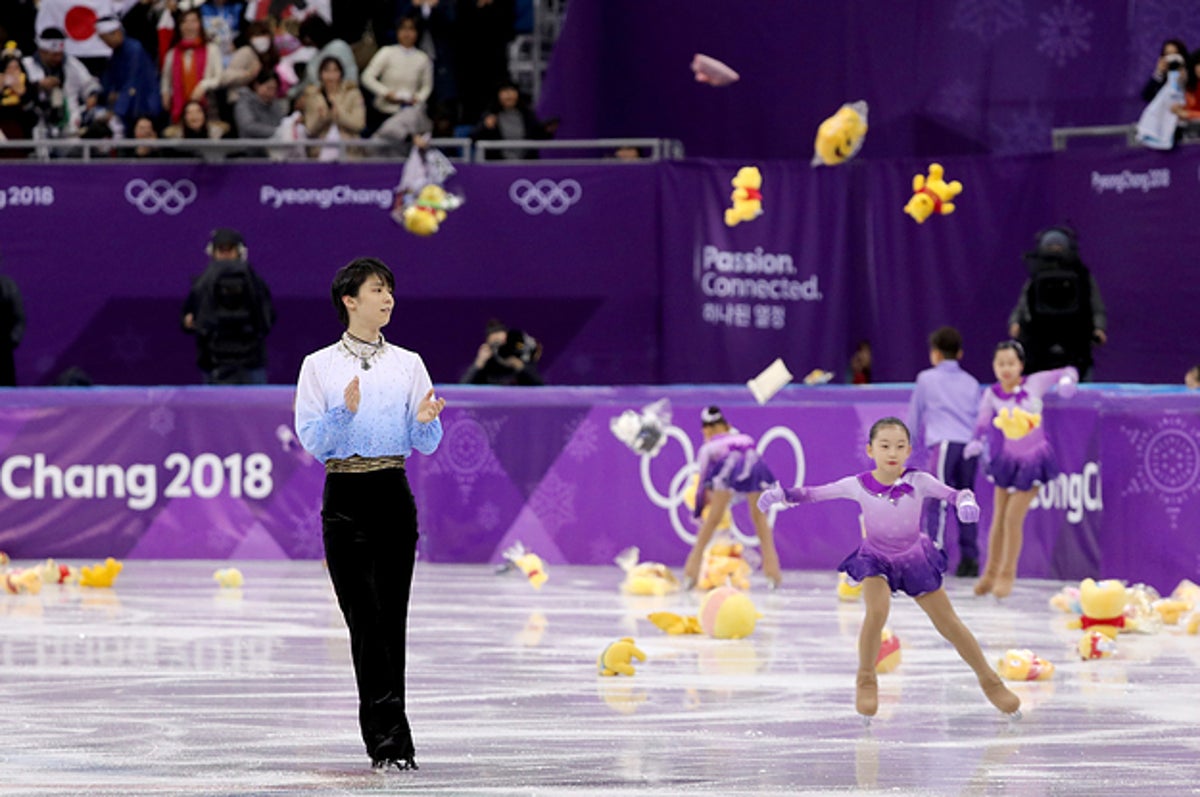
[{"x": 212, "y": 69}]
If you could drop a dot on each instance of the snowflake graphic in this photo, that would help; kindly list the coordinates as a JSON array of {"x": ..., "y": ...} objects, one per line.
[
  {"x": 1066, "y": 30},
  {"x": 1168, "y": 457},
  {"x": 466, "y": 452},
  {"x": 581, "y": 440},
  {"x": 487, "y": 517},
  {"x": 554, "y": 502},
  {"x": 958, "y": 100},
  {"x": 1020, "y": 132},
  {"x": 987, "y": 19},
  {"x": 161, "y": 420}
]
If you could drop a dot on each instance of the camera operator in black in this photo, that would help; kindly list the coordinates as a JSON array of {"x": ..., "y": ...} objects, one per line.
[
  {"x": 506, "y": 357},
  {"x": 1060, "y": 314},
  {"x": 229, "y": 310}
]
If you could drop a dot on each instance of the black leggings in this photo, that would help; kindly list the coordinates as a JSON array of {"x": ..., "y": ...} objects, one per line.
[{"x": 369, "y": 523}]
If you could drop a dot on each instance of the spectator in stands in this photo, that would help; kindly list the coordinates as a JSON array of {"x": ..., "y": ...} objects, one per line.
[
  {"x": 1171, "y": 47},
  {"x": 230, "y": 312},
  {"x": 401, "y": 78},
  {"x": 438, "y": 32},
  {"x": 860, "y": 364},
  {"x": 143, "y": 130},
  {"x": 258, "y": 53},
  {"x": 195, "y": 125},
  {"x": 131, "y": 82},
  {"x": 12, "y": 328},
  {"x": 511, "y": 119},
  {"x": 17, "y": 96},
  {"x": 223, "y": 24},
  {"x": 1188, "y": 111},
  {"x": 1059, "y": 315},
  {"x": 61, "y": 83},
  {"x": 1192, "y": 377},
  {"x": 334, "y": 109},
  {"x": 192, "y": 67},
  {"x": 485, "y": 28},
  {"x": 506, "y": 357},
  {"x": 259, "y": 111},
  {"x": 315, "y": 32}
]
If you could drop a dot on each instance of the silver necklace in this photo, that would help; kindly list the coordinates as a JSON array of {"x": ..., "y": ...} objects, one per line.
[{"x": 362, "y": 350}]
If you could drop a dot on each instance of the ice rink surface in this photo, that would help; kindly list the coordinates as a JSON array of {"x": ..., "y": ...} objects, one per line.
[{"x": 167, "y": 684}]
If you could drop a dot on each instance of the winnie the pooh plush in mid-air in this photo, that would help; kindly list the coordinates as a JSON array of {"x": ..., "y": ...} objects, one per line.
[
  {"x": 746, "y": 197},
  {"x": 932, "y": 194},
  {"x": 840, "y": 137},
  {"x": 1016, "y": 423}
]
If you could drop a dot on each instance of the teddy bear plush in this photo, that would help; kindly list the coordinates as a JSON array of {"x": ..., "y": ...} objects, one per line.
[
  {"x": 932, "y": 194},
  {"x": 528, "y": 563},
  {"x": 840, "y": 137},
  {"x": 724, "y": 564},
  {"x": 1103, "y": 605},
  {"x": 1016, "y": 423},
  {"x": 746, "y": 197},
  {"x": 675, "y": 624},
  {"x": 425, "y": 215},
  {"x": 229, "y": 577},
  {"x": 53, "y": 572},
  {"x": 645, "y": 578},
  {"x": 617, "y": 658},
  {"x": 18, "y": 581},
  {"x": 100, "y": 575},
  {"x": 1024, "y": 665}
]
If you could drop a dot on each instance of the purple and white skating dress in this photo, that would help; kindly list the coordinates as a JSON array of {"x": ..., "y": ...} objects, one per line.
[
  {"x": 893, "y": 545},
  {"x": 730, "y": 461},
  {"x": 1024, "y": 463}
]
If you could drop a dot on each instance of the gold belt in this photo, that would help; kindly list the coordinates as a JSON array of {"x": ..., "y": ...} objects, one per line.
[{"x": 357, "y": 464}]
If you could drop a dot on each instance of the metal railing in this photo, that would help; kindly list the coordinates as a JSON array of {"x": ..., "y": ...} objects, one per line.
[
  {"x": 1059, "y": 136},
  {"x": 463, "y": 150}
]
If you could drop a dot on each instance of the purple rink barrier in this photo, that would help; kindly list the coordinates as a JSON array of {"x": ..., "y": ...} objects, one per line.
[{"x": 174, "y": 473}]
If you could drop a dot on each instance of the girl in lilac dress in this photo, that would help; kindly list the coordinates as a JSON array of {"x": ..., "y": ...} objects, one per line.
[
  {"x": 729, "y": 464},
  {"x": 895, "y": 556},
  {"x": 1020, "y": 457}
]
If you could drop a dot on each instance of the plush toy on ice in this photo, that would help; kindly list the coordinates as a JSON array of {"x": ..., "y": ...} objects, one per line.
[
  {"x": 17, "y": 582},
  {"x": 746, "y": 197},
  {"x": 889, "y": 652},
  {"x": 1024, "y": 665},
  {"x": 645, "y": 578},
  {"x": 645, "y": 432},
  {"x": 727, "y": 613},
  {"x": 422, "y": 200},
  {"x": 725, "y": 564},
  {"x": 102, "y": 574},
  {"x": 841, "y": 136},
  {"x": 932, "y": 194},
  {"x": 617, "y": 658},
  {"x": 229, "y": 577},
  {"x": 528, "y": 563},
  {"x": 53, "y": 572},
  {"x": 1103, "y": 605}
]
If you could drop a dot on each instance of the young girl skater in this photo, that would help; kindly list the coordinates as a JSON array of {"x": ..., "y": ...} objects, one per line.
[
  {"x": 895, "y": 556},
  {"x": 1020, "y": 455},
  {"x": 729, "y": 464}
]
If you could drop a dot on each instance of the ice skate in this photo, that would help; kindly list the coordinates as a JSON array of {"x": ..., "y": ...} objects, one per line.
[{"x": 866, "y": 695}]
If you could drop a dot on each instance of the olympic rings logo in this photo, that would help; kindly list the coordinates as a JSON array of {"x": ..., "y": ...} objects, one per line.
[
  {"x": 545, "y": 195},
  {"x": 677, "y": 487},
  {"x": 160, "y": 195}
]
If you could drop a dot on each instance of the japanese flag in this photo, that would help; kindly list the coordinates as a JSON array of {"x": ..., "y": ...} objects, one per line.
[{"x": 77, "y": 19}]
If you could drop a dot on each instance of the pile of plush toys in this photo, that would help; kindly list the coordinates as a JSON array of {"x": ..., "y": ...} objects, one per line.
[{"x": 1105, "y": 609}]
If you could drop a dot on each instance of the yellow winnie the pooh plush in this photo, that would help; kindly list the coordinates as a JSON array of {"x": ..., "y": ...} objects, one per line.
[
  {"x": 840, "y": 137},
  {"x": 617, "y": 658},
  {"x": 1103, "y": 605},
  {"x": 100, "y": 575},
  {"x": 932, "y": 194},
  {"x": 746, "y": 196},
  {"x": 1016, "y": 423}
]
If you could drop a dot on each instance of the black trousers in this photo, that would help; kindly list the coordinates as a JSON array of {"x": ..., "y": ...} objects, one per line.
[{"x": 369, "y": 524}]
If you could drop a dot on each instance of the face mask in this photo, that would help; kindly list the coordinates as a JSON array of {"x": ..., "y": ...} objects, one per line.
[{"x": 261, "y": 43}]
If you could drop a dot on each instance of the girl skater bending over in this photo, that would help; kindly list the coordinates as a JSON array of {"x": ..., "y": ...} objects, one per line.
[
  {"x": 1010, "y": 417},
  {"x": 729, "y": 464},
  {"x": 895, "y": 556}
]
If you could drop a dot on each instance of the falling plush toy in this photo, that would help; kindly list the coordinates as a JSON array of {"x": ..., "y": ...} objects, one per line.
[
  {"x": 644, "y": 433},
  {"x": 889, "y": 652},
  {"x": 618, "y": 657},
  {"x": 847, "y": 590},
  {"x": 746, "y": 197},
  {"x": 818, "y": 377},
  {"x": 1016, "y": 423},
  {"x": 100, "y": 575},
  {"x": 229, "y": 578},
  {"x": 841, "y": 136},
  {"x": 711, "y": 71},
  {"x": 727, "y": 613},
  {"x": 645, "y": 578},
  {"x": 22, "y": 581},
  {"x": 528, "y": 563},
  {"x": 1024, "y": 665},
  {"x": 422, "y": 200},
  {"x": 932, "y": 194},
  {"x": 675, "y": 624}
]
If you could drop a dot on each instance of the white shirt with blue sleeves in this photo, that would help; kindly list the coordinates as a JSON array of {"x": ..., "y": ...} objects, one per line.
[{"x": 386, "y": 422}]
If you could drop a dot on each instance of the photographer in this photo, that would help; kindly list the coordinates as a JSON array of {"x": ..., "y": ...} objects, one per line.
[
  {"x": 1059, "y": 315},
  {"x": 1171, "y": 56},
  {"x": 506, "y": 357}
]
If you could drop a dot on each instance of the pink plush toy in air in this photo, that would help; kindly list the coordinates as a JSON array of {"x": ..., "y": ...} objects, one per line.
[{"x": 711, "y": 71}]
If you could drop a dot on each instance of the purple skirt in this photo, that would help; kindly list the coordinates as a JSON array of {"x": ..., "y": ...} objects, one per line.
[
  {"x": 914, "y": 572},
  {"x": 1024, "y": 471},
  {"x": 740, "y": 471}
]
